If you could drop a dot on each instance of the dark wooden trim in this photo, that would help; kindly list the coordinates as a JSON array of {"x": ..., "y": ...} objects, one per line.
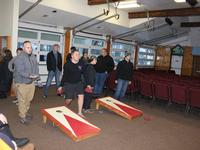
[
  {"x": 98, "y": 2},
  {"x": 191, "y": 11}
]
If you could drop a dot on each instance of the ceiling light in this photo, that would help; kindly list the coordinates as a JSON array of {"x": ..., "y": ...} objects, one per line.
[
  {"x": 180, "y": 1},
  {"x": 128, "y": 4}
]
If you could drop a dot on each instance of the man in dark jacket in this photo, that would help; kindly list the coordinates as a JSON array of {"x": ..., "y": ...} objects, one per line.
[
  {"x": 124, "y": 76},
  {"x": 72, "y": 82},
  {"x": 54, "y": 67},
  {"x": 105, "y": 64}
]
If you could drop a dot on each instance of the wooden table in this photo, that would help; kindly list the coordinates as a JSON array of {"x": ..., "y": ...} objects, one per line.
[
  {"x": 71, "y": 123},
  {"x": 118, "y": 107}
]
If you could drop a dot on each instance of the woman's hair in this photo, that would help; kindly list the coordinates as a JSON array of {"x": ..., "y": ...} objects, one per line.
[
  {"x": 19, "y": 49},
  {"x": 91, "y": 59},
  {"x": 8, "y": 54}
]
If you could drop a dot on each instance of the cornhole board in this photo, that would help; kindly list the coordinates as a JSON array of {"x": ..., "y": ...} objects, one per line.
[
  {"x": 118, "y": 107},
  {"x": 71, "y": 123}
]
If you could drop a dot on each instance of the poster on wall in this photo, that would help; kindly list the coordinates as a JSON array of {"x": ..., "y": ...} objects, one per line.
[{"x": 177, "y": 58}]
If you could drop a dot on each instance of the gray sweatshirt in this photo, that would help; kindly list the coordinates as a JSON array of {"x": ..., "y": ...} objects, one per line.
[{"x": 25, "y": 66}]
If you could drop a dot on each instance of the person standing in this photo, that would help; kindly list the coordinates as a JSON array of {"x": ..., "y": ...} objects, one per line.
[
  {"x": 8, "y": 75},
  {"x": 105, "y": 64},
  {"x": 26, "y": 72},
  {"x": 11, "y": 67},
  {"x": 71, "y": 80},
  {"x": 85, "y": 57},
  {"x": 89, "y": 76},
  {"x": 124, "y": 76},
  {"x": 54, "y": 67}
]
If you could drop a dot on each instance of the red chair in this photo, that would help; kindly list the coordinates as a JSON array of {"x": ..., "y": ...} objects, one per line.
[
  {"x": 161, "y": 90},
  {"x": 179, "y": 93},
  {"x": 110, "y": 81},
  {"x": 194, "y": 97},
  {"x": 146, "y": 88}
]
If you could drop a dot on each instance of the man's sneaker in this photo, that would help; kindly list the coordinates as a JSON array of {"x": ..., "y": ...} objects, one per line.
[
  {"x": 15, "y": 101},
  {"x": 23, "y": 121},
  {"x": 81, "y": 115},
  {"x": 44, "y": 96},
  {"x": 21, "y": 141},
  {"x": 29, "y": 116},
  {"x": 88, "y": 111}
]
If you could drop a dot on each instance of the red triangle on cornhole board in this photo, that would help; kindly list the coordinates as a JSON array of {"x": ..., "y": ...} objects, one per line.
[
  {"x": 131, "y": 112},
  {"x": 80, "y": 128}
]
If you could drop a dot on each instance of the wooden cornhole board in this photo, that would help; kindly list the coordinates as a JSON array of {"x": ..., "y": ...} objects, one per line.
[
  {"x": 71, "y": 123},
  {"x": 118, "y": 107}
]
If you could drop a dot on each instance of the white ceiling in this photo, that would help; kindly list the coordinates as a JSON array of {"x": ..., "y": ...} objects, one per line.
[{"x": 68, "y": 19}]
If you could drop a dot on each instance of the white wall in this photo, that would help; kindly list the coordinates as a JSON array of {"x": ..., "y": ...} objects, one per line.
[
  {"x": 9, "y": 10},
  {"x": 6, "y": 11}
]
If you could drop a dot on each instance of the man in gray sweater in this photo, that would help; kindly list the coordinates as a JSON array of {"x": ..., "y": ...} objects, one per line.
[{"x": 26, "y": 72}]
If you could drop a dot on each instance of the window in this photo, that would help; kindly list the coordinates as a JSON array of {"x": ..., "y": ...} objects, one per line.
[
  {"x": 34, "y": 45},
  {"x": 27, "y": 34},
  {"x": 95, "y": 52},
  {"x": 46, "y": 47},
  {"x": 81, "y": 50},
  {"x": 146, "y": 56},
  {"x": 119, "y": 49},
  {"x": 50, "y": 37},
  {"x": 91, "y": 45}
]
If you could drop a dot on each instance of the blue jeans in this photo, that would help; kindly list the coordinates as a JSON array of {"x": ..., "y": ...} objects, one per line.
[
  {"x": 121, "y": 89},
  {"x": 99, "y": 82},
  {"x": 50, "y": 77}
]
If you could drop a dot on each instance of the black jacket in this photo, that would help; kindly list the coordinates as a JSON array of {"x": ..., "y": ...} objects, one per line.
[
  {"x": 51, "y": 62},
  {"x": 72, "y": 73},
  {"x": 125, "y": 70},
  {"x": 89, "y": 75},
  {"x": 104, "y": 64}
]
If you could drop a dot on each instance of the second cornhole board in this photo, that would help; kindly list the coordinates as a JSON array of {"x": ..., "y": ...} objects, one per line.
[
  {"x": 118, "y": 107},
  {"x": 72, "y": 124}
]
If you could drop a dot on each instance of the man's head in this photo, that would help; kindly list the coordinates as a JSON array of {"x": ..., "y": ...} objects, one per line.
[
  {"x": 19, "y": 50},
  {"x": 56, "y": 47},
  {"x": 73, "y": 49},
  {"x": 104, "y": 52},
  {"x": 27, "y": 47},
  {"x": 85, "y": 55},
  {"x": 127, "y": 56},
  {"x": 75, "y": 56}
]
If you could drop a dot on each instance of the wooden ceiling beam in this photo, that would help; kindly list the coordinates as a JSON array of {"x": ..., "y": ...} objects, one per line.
[
  {"x": 98, "y": 2},
  {"x": 192, "y": 11}
]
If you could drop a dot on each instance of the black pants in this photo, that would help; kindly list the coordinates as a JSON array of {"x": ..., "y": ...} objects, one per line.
[{"x": 87, "y": 100}]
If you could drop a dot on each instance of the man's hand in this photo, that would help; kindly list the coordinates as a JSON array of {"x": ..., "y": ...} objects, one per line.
[
  {"x": 129, "y": 82},
  {"x": 3, "y": 119},
  {"x": 33, "y": 76}
]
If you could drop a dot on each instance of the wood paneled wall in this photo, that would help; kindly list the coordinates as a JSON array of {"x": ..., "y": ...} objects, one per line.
[
  {"x": 163, "y": 58},
  {"x": 186, "y": 69},
  {"x": 67, "y": 45}
]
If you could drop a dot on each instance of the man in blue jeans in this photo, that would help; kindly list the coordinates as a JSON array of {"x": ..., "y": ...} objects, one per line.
[
  {"x": 104, "y": 65},
  {"x": 54, "y": 67},
  {"x": 124, "y": 76}
]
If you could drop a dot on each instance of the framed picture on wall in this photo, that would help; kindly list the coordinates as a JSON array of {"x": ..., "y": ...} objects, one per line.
[{"x": 177, "y": 50}]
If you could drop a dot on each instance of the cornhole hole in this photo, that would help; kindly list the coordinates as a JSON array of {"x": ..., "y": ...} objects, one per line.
[
  {"x": 118, "y": 107},
  {"x": 72, "y": 124}
]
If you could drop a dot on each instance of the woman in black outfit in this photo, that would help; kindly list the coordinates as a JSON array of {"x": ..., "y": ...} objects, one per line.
[
  {"x": 89, "y": 76},
  {"x": 7, "y": 75}
]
